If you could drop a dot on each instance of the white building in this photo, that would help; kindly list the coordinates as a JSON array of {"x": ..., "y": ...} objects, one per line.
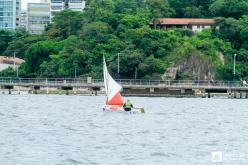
[
  {"x": 194, "y": 24},
  {"x": 45, "y": 1},
  {"x": 23, "y": 19},
  {"x": 77, "y": 5},
  {"x": 9, "y": 14},
  {"x": 18, "y": 13},
  {"x": 38, "y": 17},
  {"x": 59, "y": 5}
]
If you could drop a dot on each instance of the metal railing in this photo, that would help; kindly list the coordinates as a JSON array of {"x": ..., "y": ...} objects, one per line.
[
  {"x": 124, "y": 82},
  {"x": 181, "y": 83}
]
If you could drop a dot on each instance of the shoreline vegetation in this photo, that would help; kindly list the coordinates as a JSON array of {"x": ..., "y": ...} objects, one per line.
[{"x": 73, "y": 45}]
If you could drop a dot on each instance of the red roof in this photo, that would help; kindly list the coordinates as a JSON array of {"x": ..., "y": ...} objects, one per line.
[{"x": 185, "y": 21}]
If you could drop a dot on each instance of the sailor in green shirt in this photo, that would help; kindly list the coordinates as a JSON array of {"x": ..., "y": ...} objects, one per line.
[{"x": 128, "y": 106}]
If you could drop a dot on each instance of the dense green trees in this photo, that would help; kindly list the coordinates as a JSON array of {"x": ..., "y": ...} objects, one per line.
[
  {"x": 74, "y": 44},
  {"x": 229, "y": 8},
  {"x": 191, "y": 8},
  {"x": 38, "y": 53},
  {"x": 17, "y": 41},
  {"x": 5, "y": 38},
  {"x": 65, "y": 24}
]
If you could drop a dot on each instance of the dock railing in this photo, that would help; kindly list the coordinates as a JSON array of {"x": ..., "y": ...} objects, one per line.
[{"x": 123, "y": 82}]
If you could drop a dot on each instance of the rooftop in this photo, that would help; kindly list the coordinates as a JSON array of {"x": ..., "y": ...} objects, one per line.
[
  {"x": 10, "y": 60},
  {"x": 185, "y": 21}
]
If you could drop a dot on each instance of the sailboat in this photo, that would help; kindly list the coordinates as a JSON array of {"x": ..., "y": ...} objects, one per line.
[{"x": 113, "y": 90}]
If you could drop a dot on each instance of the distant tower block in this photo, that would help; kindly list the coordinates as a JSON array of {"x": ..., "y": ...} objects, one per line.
[
  {"x": 59, "y": 5},
  {"x": 9, "y": 14},
  {"x": 38, "y": 17}
]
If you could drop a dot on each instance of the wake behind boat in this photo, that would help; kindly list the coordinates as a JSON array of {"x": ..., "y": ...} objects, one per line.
[{"x": 115, "y": 101}]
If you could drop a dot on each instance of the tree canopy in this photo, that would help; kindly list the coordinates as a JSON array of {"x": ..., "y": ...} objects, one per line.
[{"x": 75, "y": 42}]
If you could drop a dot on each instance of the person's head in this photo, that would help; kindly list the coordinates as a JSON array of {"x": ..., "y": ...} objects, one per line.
[{"x": 128, "y": 100}]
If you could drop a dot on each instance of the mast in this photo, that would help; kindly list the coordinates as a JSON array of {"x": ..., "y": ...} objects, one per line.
[{"x": 105, "y": 76}]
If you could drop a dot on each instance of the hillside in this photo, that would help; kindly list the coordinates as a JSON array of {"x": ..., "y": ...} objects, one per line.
[{"x": 76, "y": 42}]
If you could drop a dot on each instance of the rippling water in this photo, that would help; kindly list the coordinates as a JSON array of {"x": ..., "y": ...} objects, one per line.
[{"x": 73, "y": 130}]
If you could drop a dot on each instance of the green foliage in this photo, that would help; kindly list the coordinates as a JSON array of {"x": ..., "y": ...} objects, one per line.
[
  {"x": 66, "y": 23},
  {"x": 158, "y": 9},
  {"x": 230, "y": 30},
  {"x": 129, "y": 61},
  {"x": 49, "y": 68},
  {"x": 191, "y": 8},
  {"x": 9, "y": 72},
  {"x": 5, "y": 38},
  {"x": 192, "y": 12},
  {"x": 152, "y": 68},
  {"x": 72, "y": 59},
  {"x": 153, "y": 42},
  {"x": 38, "y": 53},
  {"x": 19, "y": 41},
  {"x": 20, "y": 33},
  {"x": 74, "y": 44},
  {"x": 16, "y": 46},
  {"x": 99, "y": 11},
  {"x": 96, "y": 32},
  {"x": 229, "y": 8}
]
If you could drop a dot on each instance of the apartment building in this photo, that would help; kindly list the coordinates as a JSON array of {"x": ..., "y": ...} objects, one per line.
[
  {"x": 59, "y": 5},
  {"x": 9, "y": 14},
  {"x": 38, "y": 17}
]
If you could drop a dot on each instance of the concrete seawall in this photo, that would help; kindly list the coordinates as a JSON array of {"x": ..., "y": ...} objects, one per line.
[
  {"x": 140, "y": 88},
  {"x": 127, "y": 91}
]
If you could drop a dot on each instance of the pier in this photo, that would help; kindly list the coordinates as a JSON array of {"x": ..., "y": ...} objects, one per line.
[{"x": 131, "y": 87}]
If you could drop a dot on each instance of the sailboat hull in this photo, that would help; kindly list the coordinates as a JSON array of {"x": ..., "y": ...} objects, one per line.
[{"x": 120, "y": 109}]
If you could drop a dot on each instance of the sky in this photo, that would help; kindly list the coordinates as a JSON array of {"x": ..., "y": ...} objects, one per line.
[{"x": 24, "y": 3}]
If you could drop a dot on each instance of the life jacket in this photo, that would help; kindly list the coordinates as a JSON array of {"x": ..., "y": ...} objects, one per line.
[{"x": 128, "y": 105}]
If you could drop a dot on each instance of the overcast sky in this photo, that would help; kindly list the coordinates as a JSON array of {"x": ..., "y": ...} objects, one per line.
[{"x": 24, "y": 3}]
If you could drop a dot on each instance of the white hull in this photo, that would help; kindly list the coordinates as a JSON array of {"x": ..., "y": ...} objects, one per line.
[{"x": 121, "y": 110}]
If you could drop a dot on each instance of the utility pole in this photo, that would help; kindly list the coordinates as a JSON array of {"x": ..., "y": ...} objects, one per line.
[
  {"x": 17, "y": 72},
  {"x": 14, "y": 66},
  {"x": 75, "y": 72},
  {"x": 118, "y": 69},
  {"x": 135, "y": 74},
  {"x": 234, "y": 66},
  {"x": 14, "y": 62}
]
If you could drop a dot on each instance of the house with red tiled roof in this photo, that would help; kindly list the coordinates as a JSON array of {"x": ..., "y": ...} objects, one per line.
[{"x": 194, "y": 24}]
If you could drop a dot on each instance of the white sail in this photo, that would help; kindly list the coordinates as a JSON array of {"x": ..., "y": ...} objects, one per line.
[{"x": 112, "y": 87}]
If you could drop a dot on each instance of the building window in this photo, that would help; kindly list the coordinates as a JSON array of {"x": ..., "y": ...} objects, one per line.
[{"x": 56, "y": 7}]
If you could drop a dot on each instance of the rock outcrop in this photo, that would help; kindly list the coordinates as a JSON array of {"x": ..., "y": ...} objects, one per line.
[{"x": 193, "y": 67}]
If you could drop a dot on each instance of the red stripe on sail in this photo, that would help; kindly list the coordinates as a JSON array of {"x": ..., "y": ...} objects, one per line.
[{"x": 116, "y": 100}]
